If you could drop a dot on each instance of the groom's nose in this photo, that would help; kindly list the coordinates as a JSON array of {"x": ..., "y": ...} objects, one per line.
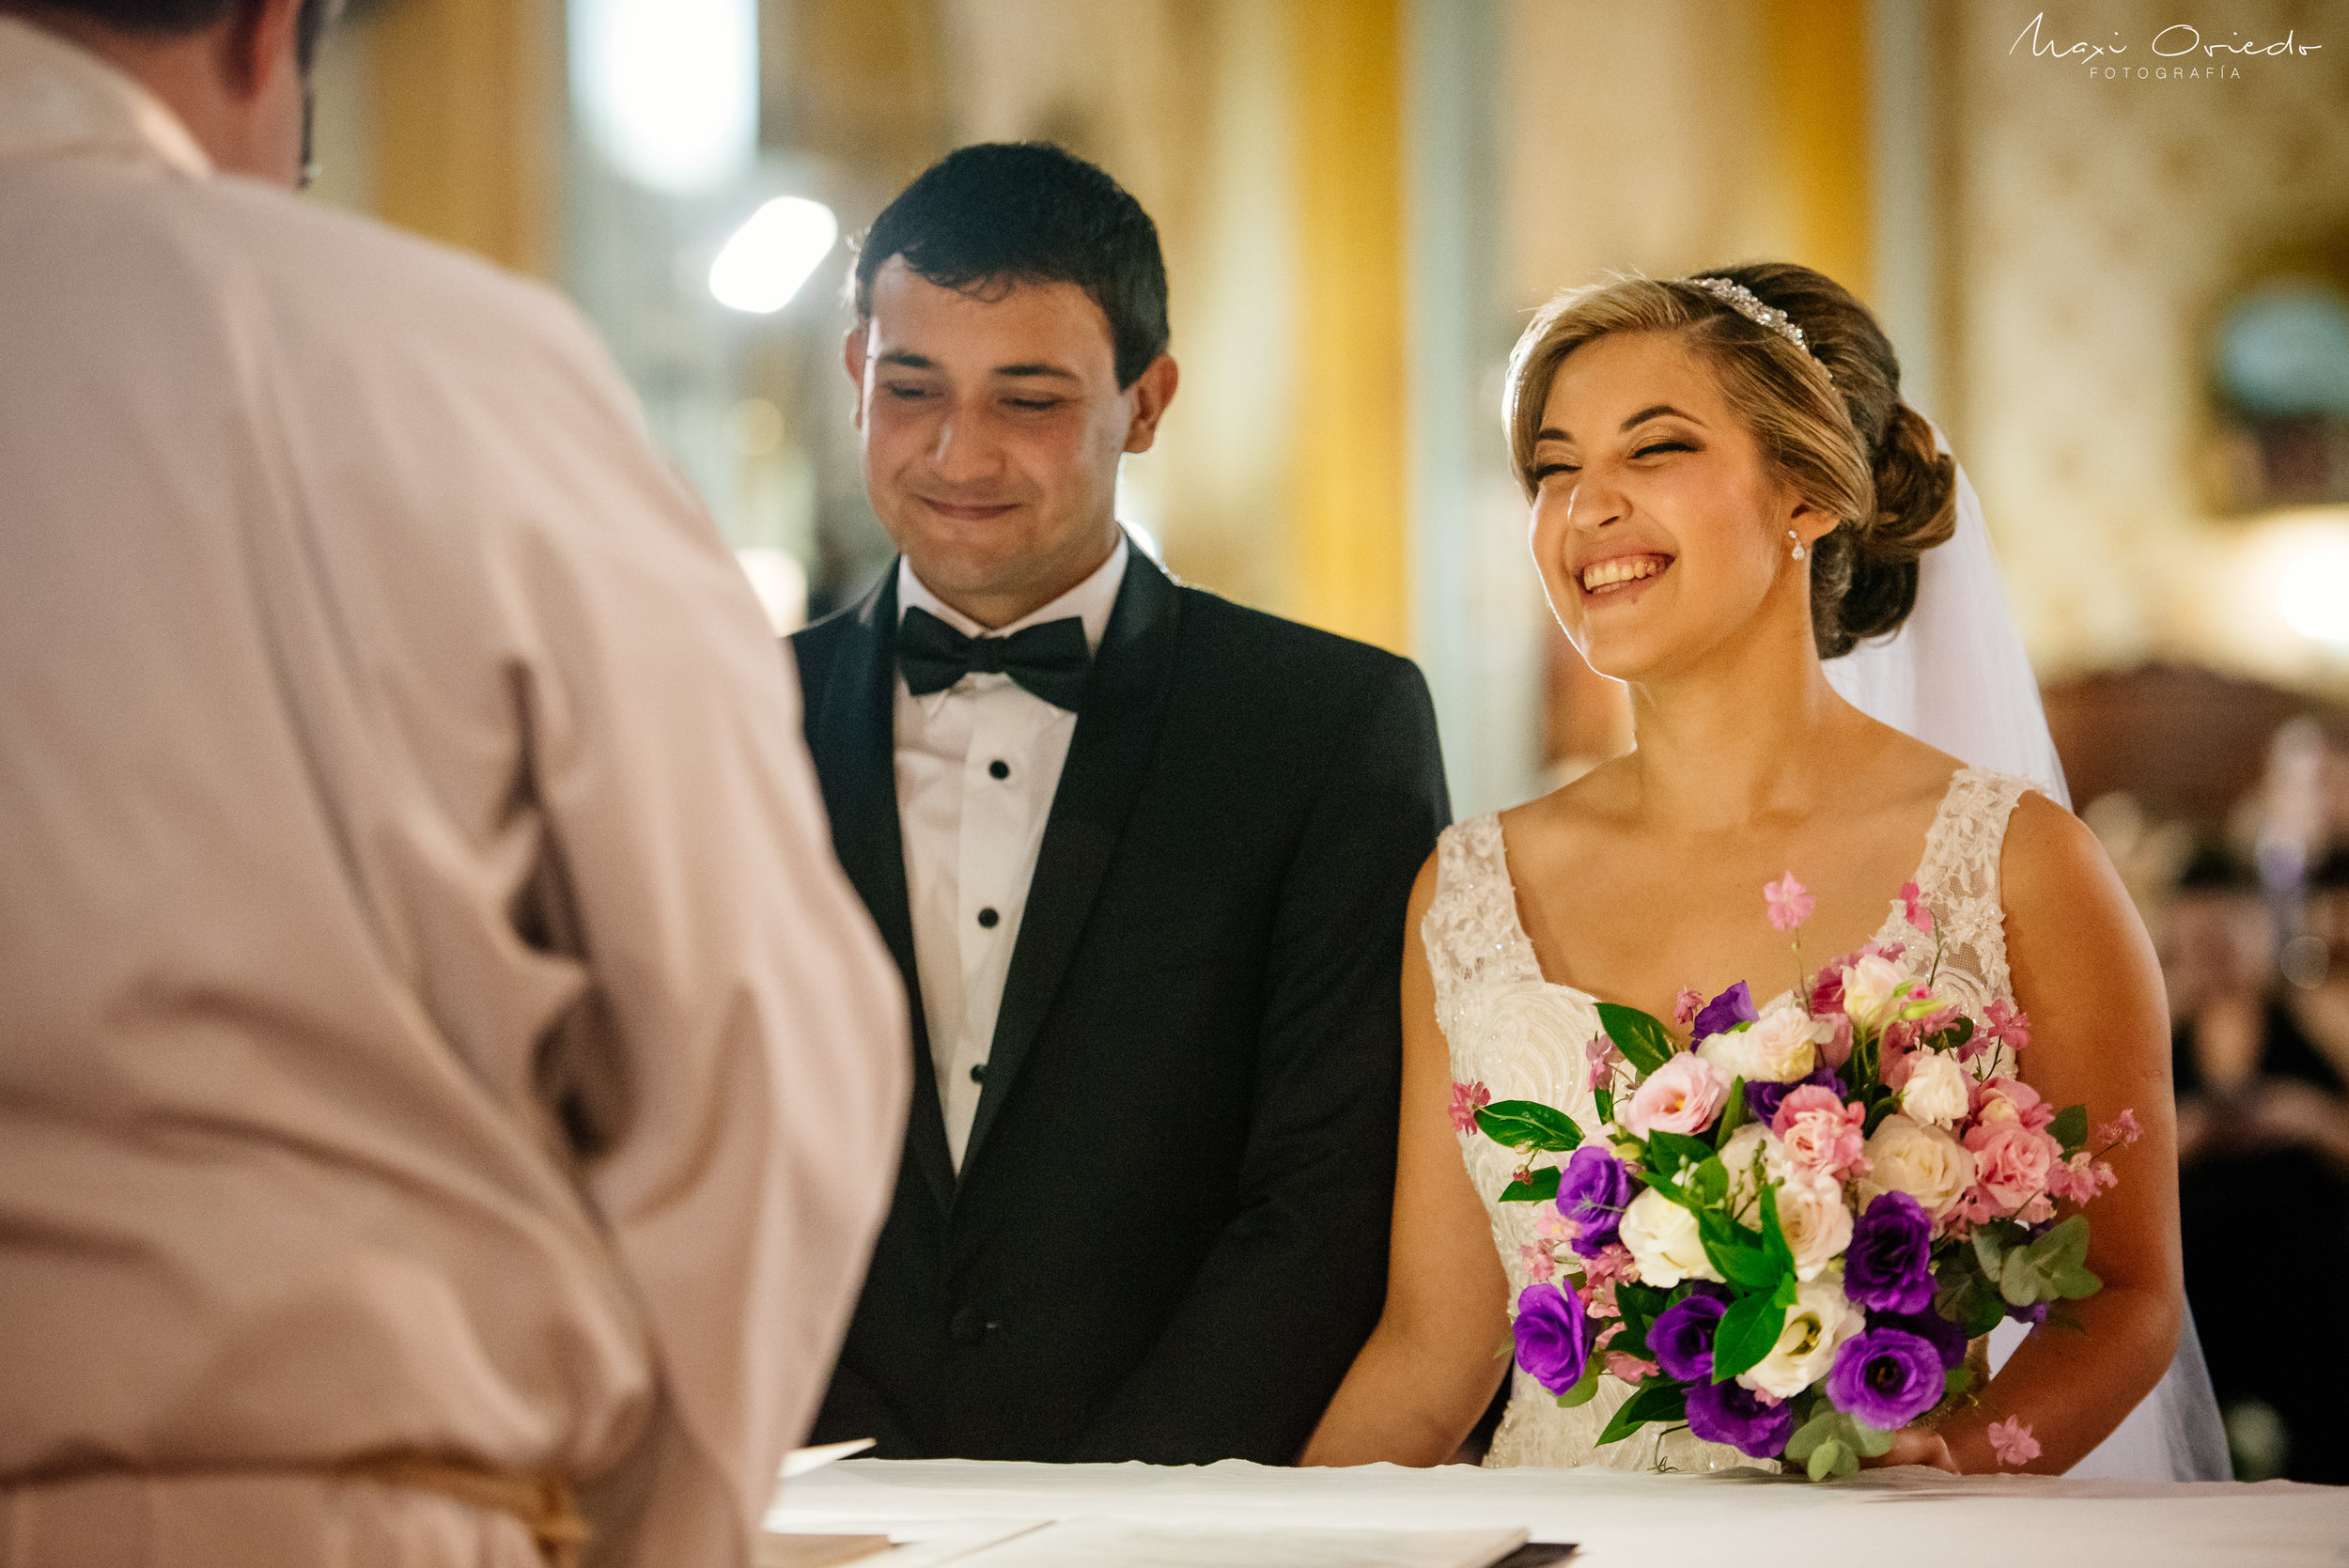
[{"x": 963, "y": 448}]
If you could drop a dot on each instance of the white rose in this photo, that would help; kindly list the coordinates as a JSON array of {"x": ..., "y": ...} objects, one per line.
[
  {"x": 1925, "y": 1162},
  {"x": 1871, "y": 986},
  {"x": 1820, "y": 1320},
  {"x": 1937, "y": 1090},
  {"x": 1779, "y": 1049},
  {"x": 1664, "y": 1242},
  {"x": 1752, "y": 1141},
  {"x": 1815, "y": 1219}
]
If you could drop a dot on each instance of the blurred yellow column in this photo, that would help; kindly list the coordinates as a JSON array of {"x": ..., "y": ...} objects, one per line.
[
  {"x": 1348, "y": 538},
  {"x": 467, "y": 124},
  {"x": 1819, "y": 66}
]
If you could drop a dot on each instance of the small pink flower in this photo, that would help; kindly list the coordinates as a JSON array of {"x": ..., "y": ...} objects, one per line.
[
  {"x": 2079, "y": 1179},
  {"x": 1896, "y": 1057},
  {"x": 2007, "y": 1024},
  {"x": 1819, "y": 1132},
  {"x": 1628, "y": 1367},
  {"x": 1466, "y": 1100},
  {"x": 2011, "y": 1441},
  {"x": 1598, "y": 1300},
  {"x": 1550, "y": 1225},
  {"x": 2121, "y": 1129},
  {"x": 1613, "y": 1264},
  {"x": 1686, "y": 1006},
  {"x": 2011, "y": 1162},
  {"x": 1539, "y": 1263},
  {"x": 1606, "y": 1334},
  {"x": 1790, "y": 903},
  {"x": 1913, "y": 905},
  {"x": 1604, "y": 1058},
  {"x": 1682, "y": 1096}
]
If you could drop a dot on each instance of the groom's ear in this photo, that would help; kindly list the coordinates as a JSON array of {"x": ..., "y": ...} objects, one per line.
[{"x": 1152, "y": 391}]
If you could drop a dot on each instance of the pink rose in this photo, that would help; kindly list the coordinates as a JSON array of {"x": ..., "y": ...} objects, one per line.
[
  {"x": 2011, "y": 1161},
  {"x": 1820, "y": 1133},
  {"x": 1682, "y": 1096},
  {"x": 2007, "y": 1100}
]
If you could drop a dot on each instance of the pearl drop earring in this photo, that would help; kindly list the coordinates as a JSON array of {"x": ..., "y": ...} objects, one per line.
[{"x": 1798, "y": 539}]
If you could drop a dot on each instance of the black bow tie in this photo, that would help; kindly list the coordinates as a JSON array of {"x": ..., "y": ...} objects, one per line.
[{"x": 1050, "y": 660}]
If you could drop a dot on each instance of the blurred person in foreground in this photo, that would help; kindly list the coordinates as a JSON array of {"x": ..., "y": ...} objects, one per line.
[
  {"x": 446, "y": 1085},
  {"x": 1142, "y": 856},
  {"x": 2262, "y": 1110}
]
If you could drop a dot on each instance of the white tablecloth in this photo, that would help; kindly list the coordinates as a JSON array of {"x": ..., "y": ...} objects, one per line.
[{"x": 1884, "y": 1519}]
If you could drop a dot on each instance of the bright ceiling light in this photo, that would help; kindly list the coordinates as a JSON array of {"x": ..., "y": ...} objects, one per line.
[
  {"x": 669, "y": 88},
  {"x": 2315, "y": 590},
  {"x": 773, "y": 254}
]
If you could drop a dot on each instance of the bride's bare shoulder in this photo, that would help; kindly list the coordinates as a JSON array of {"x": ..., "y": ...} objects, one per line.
[{"x": 1600, "y": 800}]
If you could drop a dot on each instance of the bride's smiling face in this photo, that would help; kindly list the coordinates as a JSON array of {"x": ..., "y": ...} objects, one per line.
[{"x": 1659, "y": 529}]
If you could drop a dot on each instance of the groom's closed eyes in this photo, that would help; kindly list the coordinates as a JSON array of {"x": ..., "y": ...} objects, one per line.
[{"x": 1023, "y": 392}]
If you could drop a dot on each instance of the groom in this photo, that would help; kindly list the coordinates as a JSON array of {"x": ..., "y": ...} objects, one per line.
[{"x": 1143, "y": 856}]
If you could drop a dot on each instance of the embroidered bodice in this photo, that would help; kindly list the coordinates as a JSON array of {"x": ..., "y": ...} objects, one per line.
[{"x": 1524, "y": 1037}]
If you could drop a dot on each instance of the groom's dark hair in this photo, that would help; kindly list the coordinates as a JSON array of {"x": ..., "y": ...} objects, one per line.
[{"x": 988, "y": 217}]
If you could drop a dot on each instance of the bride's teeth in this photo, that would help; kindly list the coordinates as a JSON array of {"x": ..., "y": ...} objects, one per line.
[{"x": 1625, "y": 569}]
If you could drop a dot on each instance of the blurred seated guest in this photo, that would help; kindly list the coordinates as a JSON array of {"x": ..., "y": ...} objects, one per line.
[
  {"x": 446, "y": 1085},
  {"x": 2263, "y": 1155}
]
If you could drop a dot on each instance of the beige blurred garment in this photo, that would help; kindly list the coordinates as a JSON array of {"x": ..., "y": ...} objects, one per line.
[{"x": 395, "y": 770}]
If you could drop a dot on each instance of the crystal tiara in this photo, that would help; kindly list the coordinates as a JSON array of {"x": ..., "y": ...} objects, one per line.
[{"x": 1737, "y": 297}]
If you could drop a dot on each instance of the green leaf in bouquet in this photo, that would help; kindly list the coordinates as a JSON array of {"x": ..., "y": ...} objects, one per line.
[
  {"x": 1732, "y": 1253},
  {"x": 1879, "y": 1112},
  {"x": 1774, "y": 1246},
  {"x": 1745, "y": 1334},
  {"x": 1644, "y": 1042},
  {"x": 1584, "y": 1386},
  {"x": 1529, "y": 1124},
  {"x": 1955, "y": 1036},
  {"x": 1672, "y": 1151},
  {"x": 1832, "y": 1443},
  {"x": 1707, "y": 1182},
  {"x": 1968, "y": 1298},
  {"x": 1606, "y": 1098},
  {"x": 1956, "y": 1381},
  {"x": 2070, "y": 1128},
  {"x": 1539, "y": 1187},
  {"x": 1646, "y": 1300},
  {"x": 2050, "y": 1268},
  {"x": 1656, "y": 1400},
  {"x": 1735, "y": 1114},
  {"x": 1991, "y": 1242}
]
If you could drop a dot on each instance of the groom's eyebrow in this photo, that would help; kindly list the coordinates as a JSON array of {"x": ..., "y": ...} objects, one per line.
[{"x": 1039, "y": 368}]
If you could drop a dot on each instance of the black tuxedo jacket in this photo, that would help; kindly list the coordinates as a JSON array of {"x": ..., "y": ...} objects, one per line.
[{"x": 1169, "y": 1237}]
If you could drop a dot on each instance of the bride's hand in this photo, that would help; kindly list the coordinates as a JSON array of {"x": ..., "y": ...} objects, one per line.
[{"x": 1914, "y": 1445}]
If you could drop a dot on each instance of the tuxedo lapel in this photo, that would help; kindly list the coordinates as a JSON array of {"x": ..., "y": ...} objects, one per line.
[
  {"x": 854, "y": 726},
  {"x": 1109, "y": 757}
]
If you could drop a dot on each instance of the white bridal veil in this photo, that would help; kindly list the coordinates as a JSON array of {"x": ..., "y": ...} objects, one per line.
[{"x": 1956, "y": 677}]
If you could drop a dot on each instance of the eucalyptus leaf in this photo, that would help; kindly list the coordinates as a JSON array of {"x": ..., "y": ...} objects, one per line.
[
  {"x": 1529, "y": 1124},
  {"x": 1644, "y": 1042},
  {"x": 1831, "y": 1459},
  {"x": 2070, "y": 1128}
]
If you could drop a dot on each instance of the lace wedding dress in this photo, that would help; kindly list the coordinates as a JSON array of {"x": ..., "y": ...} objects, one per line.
[{"x": 1522, "y": 1038}]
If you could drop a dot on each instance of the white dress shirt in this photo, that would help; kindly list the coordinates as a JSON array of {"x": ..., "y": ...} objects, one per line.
[
  {"x": 395, "y": 768},
  {"x": 977, "y": 764}
]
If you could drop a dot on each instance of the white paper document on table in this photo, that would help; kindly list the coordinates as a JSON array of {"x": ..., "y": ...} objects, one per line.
[{"x": 1091, "y": 1542}]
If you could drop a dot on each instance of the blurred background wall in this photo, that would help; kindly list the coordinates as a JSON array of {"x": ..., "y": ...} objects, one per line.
[{"x": 2119, "y": 279}]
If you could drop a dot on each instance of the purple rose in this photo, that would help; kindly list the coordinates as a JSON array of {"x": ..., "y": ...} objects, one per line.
[
  {"x": 1886, "y": 1377},
  {"x": 1553, "y": 1336},
  {"x": 1592, "y": 1191},
  {"x": 1947, "y": 1337},
  {"x": 1681, "y": 1339},
  {"x": 1734, "y": 1414},
  {"x": 1763, "y": 1099},
  {"x": 1732, "y": 1007},
  {"x": 1889, "y": 1264}
]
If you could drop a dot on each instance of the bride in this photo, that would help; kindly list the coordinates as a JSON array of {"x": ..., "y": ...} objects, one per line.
[{"x": 1727, "y": 491}]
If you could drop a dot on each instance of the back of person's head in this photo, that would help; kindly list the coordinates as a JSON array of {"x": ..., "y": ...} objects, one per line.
[
  {"x": 1829, "y": 417},
  {"x": 999, "y": 214},
  {"x": 171, "y": 18}
]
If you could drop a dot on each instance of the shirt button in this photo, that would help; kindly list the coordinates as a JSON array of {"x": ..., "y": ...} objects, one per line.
[
  {"x": 978, "y": 1072},
  {"x": 999, "y": 768},
  {"x": 988, "y": 918}
]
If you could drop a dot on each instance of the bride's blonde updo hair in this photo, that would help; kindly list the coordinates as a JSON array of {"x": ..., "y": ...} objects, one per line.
[{"x": 1829, "y": 417}]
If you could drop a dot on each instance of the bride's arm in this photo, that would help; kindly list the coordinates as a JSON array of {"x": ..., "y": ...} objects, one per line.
[
  {"x": 2085, "y": 974},
  {"x": 1430, "y": 1367}
]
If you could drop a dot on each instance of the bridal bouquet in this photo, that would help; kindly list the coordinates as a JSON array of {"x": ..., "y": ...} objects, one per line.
[{"x": 1790, "y": 1223}]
